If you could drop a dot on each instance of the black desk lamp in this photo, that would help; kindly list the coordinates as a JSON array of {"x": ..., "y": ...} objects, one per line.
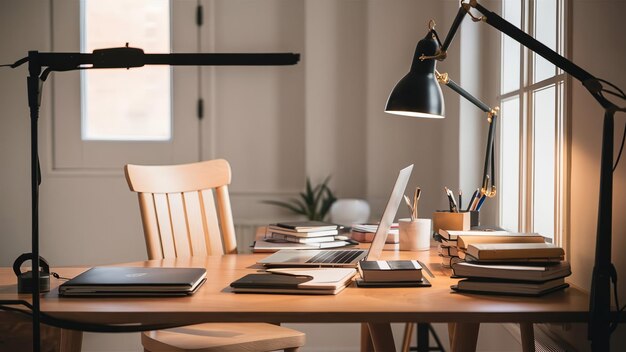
[
  {"x": 123, "y": 57},
  {"x": 417, "y": 94}
]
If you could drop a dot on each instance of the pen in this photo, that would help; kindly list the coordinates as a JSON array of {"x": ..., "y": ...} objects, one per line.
[
  {"x": 480, "y": 203},
  {"x": 460, "y": 199},
  {"x": 469, "y": 205},
  {"x": 416, "y": 199}
]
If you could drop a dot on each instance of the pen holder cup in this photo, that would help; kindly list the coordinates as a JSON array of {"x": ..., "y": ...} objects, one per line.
[
  {"x": 414, "y": 234},
  {"x": 451, "y": 221},
  {"x": 474, "y": 218}
]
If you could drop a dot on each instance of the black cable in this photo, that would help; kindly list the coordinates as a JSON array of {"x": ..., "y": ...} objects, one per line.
[
  {"x": 613, "y": 93},
  {"x": 57, "y": 276},
  {"x": 615, "y": 323},
  {"x": 82, "y": 326},
  {"x": 612, "y": 85},
  {"x": 621, "y": 149}
]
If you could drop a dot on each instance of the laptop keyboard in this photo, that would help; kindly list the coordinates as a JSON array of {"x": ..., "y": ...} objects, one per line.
[{"x": 338, "y": 257}]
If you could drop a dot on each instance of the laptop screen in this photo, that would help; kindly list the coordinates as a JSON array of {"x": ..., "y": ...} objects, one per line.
[{"x": 389, "y": 214}]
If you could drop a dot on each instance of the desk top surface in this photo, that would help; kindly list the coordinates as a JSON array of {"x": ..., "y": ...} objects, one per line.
[{"x": 215, "y": 301}]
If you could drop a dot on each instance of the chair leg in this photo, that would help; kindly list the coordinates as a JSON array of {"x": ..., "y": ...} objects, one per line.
[
  {"x": 528, "y": 337},
  {"x": 406, "y": 340},
  {"x": 366, "y": 339},
  {"x": 382, "y": 337}
]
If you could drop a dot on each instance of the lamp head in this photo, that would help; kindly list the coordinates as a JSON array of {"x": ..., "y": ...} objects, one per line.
[{"x": 418, "y": 94}]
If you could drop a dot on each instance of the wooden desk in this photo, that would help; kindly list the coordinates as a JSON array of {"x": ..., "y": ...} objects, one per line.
[{"x": 215, "y": 302}]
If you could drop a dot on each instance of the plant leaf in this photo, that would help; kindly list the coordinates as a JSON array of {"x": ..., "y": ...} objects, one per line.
[
  {"x": 295, "y": 208},
  {"x": 327, "y": 203}
]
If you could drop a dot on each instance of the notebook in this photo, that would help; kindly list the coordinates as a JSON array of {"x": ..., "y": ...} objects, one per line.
[
  {"x": 316, "y": 281},
  {"x": 134, "y": 281},
  {"x": 346, "y": 257}
]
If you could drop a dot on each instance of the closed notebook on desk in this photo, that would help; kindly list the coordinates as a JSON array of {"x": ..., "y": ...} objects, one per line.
[
  {"x": 134, "y": 281},
  {"x": 318, "y": 281}
]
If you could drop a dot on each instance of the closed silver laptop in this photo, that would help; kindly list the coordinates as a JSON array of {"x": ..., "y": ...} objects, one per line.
[
  {"x": 346, "y": 257},
  {"x": 134, "y": 281}
]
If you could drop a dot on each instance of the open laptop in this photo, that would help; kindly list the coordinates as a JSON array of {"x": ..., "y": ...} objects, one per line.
[
  {"x": 348, "y": 257},
  {"x": 134, "y": 281}
]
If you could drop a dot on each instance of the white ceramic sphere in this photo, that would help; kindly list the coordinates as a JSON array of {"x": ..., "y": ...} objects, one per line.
[{"x": 349, "y": 211}]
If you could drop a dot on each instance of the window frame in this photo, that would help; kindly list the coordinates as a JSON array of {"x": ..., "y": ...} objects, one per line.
[{"x": 524, "y": 93}]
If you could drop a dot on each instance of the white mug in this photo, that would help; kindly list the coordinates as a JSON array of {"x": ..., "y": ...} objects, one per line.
[{"x": 414, "y": 234}]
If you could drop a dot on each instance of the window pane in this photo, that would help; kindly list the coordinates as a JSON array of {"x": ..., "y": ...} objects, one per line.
[
  {"x": 510, "y": 65},
  {"x": 120, "y": 104},
  {"x": 545, "y": 32},
  {"x": 544, "y": 151},
  {"x": 509, "y": 164}
]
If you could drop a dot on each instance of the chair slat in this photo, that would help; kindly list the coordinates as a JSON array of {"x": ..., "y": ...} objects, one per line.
[
  {"x": 213, "y": 239},
  {"x": 226, "y": 220},
  {"x": 178, "y": 178},
  {"x": 178, "y": 218},
  {"x": 165, "y": 225},
  {"x": 197, "y": 234},
  {"x": 150, "y": 226}
]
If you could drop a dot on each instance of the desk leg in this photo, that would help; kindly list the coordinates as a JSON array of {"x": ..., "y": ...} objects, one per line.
[
  {"x": 408, "y": 334},
  {"x": 71, "y": 341},
  {"x": 382, "y": 337},
  {"x": 464, "y": 337},
  {"x": 451, "y": 327}
]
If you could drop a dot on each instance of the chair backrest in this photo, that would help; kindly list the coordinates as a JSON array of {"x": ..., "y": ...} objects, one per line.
[{"x": 183, "y": 207}]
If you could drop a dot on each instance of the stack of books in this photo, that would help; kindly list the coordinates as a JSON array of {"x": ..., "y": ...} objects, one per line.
[
  {"x": 531, "y": 268},
  {"x": 301, "y": 235},
  {"x": 452, "y": 244},
  {"x": 391, "y": 273},
  {"x": 364, "y": 233}
]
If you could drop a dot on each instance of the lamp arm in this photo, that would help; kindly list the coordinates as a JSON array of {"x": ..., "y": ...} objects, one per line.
[
  {"x": 460, "y": 15},
  {"x": 590, "y": 82},
  {"x": 488, "y": 184},
  {"x": 443, "y": 78},
  {"x": 127, "y": 57}
]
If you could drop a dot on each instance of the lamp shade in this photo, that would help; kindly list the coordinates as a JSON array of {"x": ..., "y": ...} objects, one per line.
[{"x": 418, "y": 94}]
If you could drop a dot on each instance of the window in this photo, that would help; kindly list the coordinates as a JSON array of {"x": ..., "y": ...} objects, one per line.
[
  {"x": 103, "y": 119},
  {"x": 532, "y": 122},
  {"x": 122, "y": 104}
]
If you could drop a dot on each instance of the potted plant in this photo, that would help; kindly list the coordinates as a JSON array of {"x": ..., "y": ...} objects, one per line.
[{"x": 314, "y": 202}]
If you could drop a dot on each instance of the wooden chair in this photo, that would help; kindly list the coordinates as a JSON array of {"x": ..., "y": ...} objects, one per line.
[{"x": 183, "y": 207}]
